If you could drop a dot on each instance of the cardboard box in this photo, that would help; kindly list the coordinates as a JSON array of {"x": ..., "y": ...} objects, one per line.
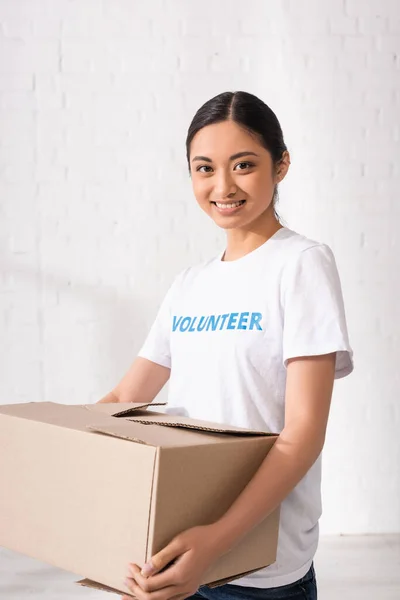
[{"x": 91, "y": 488}]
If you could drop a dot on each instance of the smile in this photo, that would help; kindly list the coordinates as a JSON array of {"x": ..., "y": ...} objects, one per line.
[{"x": 228, "y": 207}]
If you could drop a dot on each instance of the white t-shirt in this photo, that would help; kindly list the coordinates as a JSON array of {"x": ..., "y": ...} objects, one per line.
[{"x": 226, "y": 329}]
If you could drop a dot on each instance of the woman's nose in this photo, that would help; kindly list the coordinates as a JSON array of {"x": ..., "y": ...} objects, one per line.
[{"x": 224, "y": 188}]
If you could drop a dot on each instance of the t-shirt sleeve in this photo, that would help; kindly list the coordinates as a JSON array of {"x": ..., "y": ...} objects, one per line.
[
  {"x": 156, "y": 346},
  {"x": 314, "y": 320}
]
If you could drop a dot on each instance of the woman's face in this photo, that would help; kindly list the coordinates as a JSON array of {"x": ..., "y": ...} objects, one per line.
[{"x": 232, "y": 175}]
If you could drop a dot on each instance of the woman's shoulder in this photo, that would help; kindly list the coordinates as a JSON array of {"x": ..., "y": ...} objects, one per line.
[
  {"x": 297, "y": 242},
  {"x": 297, "y": 246}
]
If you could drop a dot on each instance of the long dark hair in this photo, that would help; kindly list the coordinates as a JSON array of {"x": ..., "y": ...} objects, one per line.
[{"x": 249, "y": 112}]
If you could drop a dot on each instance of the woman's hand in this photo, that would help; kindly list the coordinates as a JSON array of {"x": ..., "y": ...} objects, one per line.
[{"x": 191, "y": 554}]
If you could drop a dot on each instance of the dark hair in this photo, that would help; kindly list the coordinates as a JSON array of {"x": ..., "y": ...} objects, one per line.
[{"x": 249, "y": 112}]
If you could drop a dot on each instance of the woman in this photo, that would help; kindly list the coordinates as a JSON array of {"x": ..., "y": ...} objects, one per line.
[{"x": 253, "y": 337}]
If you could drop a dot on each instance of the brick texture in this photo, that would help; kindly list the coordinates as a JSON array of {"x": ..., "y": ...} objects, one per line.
[{"x": 97, "y": 213}]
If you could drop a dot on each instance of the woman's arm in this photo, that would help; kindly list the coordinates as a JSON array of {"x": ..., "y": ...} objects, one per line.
[
  {"x": 308, "y": 395},
  {"x": 307, "y": 402},
  {"x": 142, "y": 382}
]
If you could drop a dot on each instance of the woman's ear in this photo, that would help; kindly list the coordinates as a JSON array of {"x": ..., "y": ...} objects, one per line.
[{"x": 282, "y": 167}]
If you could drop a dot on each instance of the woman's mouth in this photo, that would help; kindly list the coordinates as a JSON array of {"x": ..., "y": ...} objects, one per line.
[{"x": 228, "y": 208}]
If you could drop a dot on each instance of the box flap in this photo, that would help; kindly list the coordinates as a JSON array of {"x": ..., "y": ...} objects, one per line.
[
  {"x": 29, "y": 410},
  {"x": 53, "y": 412},
  {"x": 99, "y": 586},
  {"x": 121, "y": 409},
  {"x": 152, "y": 434},
  {"x": 163, "y": 430},
  {"x": 72, "y": 416},
  {"x": 196, "y": 424},
  {"x": 121, "y": 430}
]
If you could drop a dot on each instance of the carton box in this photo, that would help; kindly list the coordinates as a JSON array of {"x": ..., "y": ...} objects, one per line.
[{"x": 90, "y": 488}]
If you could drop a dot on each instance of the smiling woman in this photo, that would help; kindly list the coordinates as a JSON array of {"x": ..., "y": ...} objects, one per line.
[
  {"x": 228, "y": 186},
  {"x": 252, "y": 337}
]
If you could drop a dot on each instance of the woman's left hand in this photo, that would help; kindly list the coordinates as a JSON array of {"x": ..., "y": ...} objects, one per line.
[{"x": 192, "y": 553}]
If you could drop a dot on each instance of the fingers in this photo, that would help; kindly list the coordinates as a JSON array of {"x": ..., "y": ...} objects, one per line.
[
  {"x": 155, "y": 582},
  {"x": 163, "y": 558},
  {"x": 166, "y": 593}
]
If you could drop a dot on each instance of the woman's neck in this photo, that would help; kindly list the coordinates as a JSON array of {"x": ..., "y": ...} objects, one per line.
[{"x": 240, "y": 242}]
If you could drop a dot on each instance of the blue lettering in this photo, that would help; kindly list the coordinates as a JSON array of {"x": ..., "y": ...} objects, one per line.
[
  {"x": 224, "y": 317},
  {"x": 200, "y": 327},
  {"x": 232, "y": 321},
  {"x": 255, "y": 320},
  {"x": 213, "y": 322},
  {"x": 175, "y": 323},
  {"x": 191, "y": 328},
  {"x": 243, "y": 320},
  {"x": 187, "y": 319}
]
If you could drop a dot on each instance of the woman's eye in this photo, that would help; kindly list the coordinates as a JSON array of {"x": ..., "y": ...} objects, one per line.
[{"x": 245, "y": 163}]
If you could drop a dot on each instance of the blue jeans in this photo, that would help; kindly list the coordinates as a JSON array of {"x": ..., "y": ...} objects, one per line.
[{"x": 303, "y": 589}]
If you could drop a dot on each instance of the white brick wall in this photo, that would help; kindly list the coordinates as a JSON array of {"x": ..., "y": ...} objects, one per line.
[{"x": 97, "y": 212}]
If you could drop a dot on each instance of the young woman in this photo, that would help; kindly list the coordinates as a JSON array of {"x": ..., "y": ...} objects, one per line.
[{"x": 253, "y": 337}]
